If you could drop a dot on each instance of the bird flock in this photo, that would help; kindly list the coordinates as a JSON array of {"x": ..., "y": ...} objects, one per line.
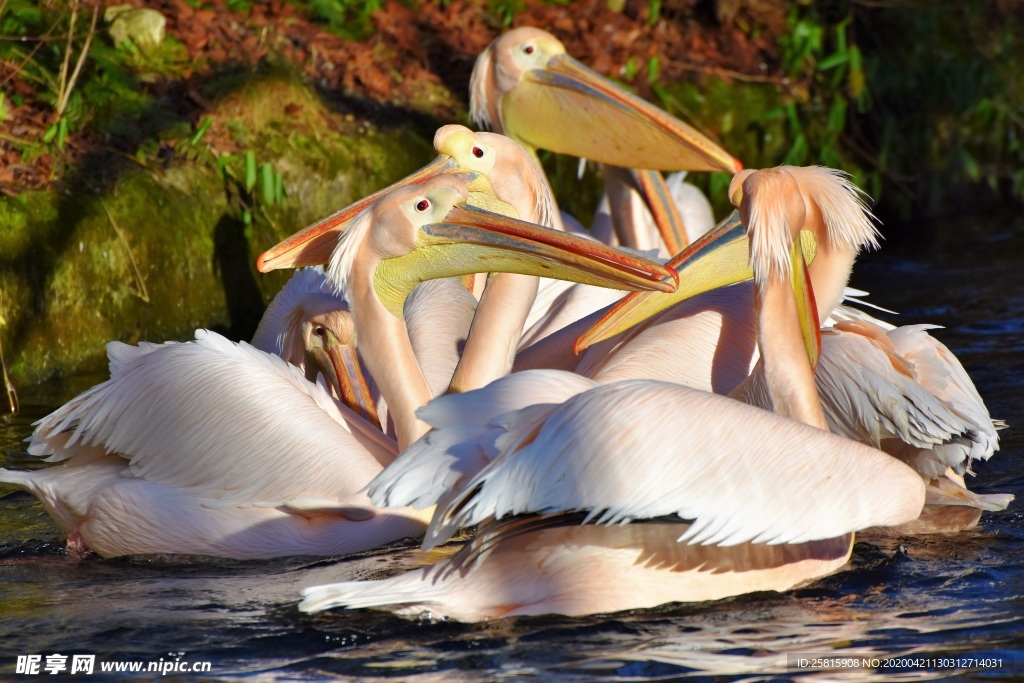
[{"x": 653, "y": 409}]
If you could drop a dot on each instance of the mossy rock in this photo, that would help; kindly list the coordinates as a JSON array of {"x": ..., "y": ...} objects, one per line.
[{"x": 160, "y": 252}]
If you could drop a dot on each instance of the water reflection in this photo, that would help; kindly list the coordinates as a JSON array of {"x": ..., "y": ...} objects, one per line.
[{"x": 938, "y": 596}]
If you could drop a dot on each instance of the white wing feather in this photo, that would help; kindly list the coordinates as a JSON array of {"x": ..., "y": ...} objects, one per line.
[
  {"x": 643, "y": 449},
  {"x": 216, "y": 419},
  {"x": 865, "y": 398},
  {"x": 462, "y": 441},
  {"x": 939, "y": 370}
]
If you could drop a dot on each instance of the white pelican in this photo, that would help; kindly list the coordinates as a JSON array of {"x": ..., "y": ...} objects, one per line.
[
  {"x": 768, "y": 502},
  {"x": 301, "y": 322},
  {"x": 519, "y": 181},
  {"x": 215, "y": 448},
  {"x": 897, "y": 389}
]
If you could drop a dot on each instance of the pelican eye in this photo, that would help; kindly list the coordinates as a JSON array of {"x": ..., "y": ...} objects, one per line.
[
  {"x": 422, "y": 205},
  {"x": 478, "y": 153},
  {"x": 528, "y": 49},
  {"x": 320, "y": 331}
]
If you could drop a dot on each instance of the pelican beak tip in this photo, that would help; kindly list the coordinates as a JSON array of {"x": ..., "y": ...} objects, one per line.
[{"x": 262, "y": 265}]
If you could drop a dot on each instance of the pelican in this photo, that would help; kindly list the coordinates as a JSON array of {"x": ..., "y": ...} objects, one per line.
[
  {"x": 254, "y": 464},
  {"x": 762, "y": 501},
  {"x": 215, "y": 448},
  {"x": 897, "y": 389},
  {"x": 518, "y": 181},
  {"x": 302, "y": 321},
  {"x": 526, "y": 86}
]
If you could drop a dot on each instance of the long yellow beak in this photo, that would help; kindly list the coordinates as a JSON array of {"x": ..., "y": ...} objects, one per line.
[
  {"x": 569, "y": 109},
  {"x": 313, "y": 245},
  {"x": 473, "y": 241},
  {"x": 663, "y": 208},
  {"x": 807, "y": 308},
  {"x": 720, "y": 258},
  {"x": 341, "y": 366}
]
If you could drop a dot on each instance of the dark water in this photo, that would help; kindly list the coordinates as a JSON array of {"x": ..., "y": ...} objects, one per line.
[{"x": 924, "y": 598}]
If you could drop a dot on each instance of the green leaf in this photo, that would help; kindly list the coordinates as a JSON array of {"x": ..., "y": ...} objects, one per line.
[
  {"x": 653, "y": 70},
  {"x": 267, "y": 181},
  {"x": 62, "y": 132},
  {"x": 797, "y": 154},
  {"x": 836, "y": 117},
  {"x": 653, "y": 11},
  {"x": 794, "y": 118},
  {"x": 857, "y": 80},
  {"x": 278, "y": 188},
  {"x": 841, "y": 35},
  {"x": 204, "y": 126},
  {"x": 50, "y": 134},
  {"x": 833, "y": 60},
  {"x": 971, "y": 166},
  {"x": 222, "y": 166},
  {"x": 250, "y": 170}
]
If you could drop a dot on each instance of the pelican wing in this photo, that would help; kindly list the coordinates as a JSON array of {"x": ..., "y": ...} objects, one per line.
[
  {"x": 871, "y": 392},
  {"x": 220, "y": 420},
  {"x": 643, "y": 449},
  {"x": 463, "y": 439},
  {"x": 941, "y": 373}
]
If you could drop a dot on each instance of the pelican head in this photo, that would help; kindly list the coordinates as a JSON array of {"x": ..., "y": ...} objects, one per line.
[
  {"x": 313, "y": 244},
  {"x": 512, "y": 172},
  {"x": 525, "y": 86},
  {"x": 330, "y": 341},
  {"x": 423, "y": 232},
  {"x": 485, "y": 156},
  {"x": 312, "y": 328},
  {"x": 774, "y": 211}
]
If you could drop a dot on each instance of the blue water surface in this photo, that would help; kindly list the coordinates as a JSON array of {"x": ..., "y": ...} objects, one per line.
[{"x": 938, "y": 607}]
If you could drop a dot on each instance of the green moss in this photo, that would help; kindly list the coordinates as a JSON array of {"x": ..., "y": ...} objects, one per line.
[{"x": 154, "y": 255}]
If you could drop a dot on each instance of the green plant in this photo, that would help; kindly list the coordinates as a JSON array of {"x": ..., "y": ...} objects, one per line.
[
  {"x": 54, "y": 64},
  {"x": 923, "y": 97},
  {"x": 826, "y": 82},
  {"x": 349, "y": 18},
  {"x": 506, "y": 10},
  {"x": 241, "y": 175},
  {"x": 653, "y": 11}
]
